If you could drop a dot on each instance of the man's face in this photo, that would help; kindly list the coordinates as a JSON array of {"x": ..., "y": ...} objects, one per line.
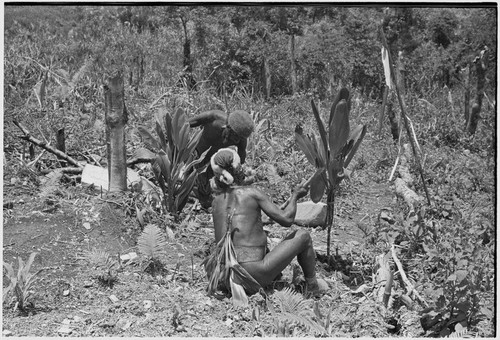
[{"x": 233, "y": 138}]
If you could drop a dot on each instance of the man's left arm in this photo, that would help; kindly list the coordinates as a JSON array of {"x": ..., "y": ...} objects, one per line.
[{"x": 242, "y": 150}]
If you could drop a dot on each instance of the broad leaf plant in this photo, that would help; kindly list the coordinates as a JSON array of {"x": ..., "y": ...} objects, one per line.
[
  {"x": 173, "y": 158},
  {"x": 331, "y": 153}
]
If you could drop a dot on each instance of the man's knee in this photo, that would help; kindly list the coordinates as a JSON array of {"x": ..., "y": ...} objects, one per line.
[{"x": 304, "y": 236}]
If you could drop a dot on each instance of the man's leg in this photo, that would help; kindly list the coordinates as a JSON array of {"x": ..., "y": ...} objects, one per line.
[{"x": 299, "y": 244}]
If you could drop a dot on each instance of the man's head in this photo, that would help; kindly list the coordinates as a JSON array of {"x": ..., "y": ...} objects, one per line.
[
  {"x": 241, "y": 123},
  {"x": 227, "y": 168}
]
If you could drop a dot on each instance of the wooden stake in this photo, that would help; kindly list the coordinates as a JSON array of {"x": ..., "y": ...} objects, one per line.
[{"x": 405, "y": 118}]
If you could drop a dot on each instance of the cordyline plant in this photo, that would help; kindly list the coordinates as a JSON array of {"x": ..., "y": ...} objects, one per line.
[
  {"x": 21, "y": 283},
  {"x": 173, "y": 158},
  {"x": 331, "y": 153}
]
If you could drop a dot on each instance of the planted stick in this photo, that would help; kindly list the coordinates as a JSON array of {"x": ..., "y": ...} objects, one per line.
[
  {"x": 405, "y": 118},
  {"x": 303, "y": 184}
]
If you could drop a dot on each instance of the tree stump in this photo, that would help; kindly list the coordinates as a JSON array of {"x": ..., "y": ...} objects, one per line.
[{"x": 116, "y": 119}]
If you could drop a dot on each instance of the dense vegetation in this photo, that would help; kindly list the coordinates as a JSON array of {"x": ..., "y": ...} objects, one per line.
[{"x": 271, "y": 61}]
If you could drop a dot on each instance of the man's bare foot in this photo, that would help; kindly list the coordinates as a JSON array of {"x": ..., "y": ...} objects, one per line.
[{"x": 316, "y": 287}]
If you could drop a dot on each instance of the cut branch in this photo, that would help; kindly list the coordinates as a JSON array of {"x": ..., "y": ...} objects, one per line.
[
  {"x": 409, "y": 287},
  {"x": 27, "y": 136}
]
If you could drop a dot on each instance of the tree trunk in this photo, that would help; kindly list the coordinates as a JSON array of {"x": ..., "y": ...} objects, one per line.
[
  {"x": 392, "y": 118},
  {"x": 61, "y": 144},
  {"x": 467, "y": 96},
  {"x": 293, "y": 68},
  {"x": 116, "y": 119},
  {"x": 381, "y": 115},
  {"x": 476, "y": 108},
  {"x": 267, "y": 78}
]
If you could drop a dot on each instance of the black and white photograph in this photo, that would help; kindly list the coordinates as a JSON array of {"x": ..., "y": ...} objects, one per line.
[{"x": 249, "y": 169}]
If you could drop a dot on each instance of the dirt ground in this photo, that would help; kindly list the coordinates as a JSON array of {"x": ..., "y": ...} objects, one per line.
[{"x": 69, "y": 302}]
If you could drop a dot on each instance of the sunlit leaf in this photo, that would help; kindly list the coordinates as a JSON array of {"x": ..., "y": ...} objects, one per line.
[
  {"x": 148, "y": 138},
  {"x": 322, "y": 130}
]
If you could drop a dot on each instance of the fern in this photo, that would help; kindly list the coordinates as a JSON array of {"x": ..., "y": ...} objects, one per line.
[
  {"x": 293, "y": 308},
  {"x": 103, "y": 266},
  {"x": 152, "y": 242}
]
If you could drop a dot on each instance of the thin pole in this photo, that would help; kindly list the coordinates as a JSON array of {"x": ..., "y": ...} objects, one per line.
[{"x": 403, "y": 114}]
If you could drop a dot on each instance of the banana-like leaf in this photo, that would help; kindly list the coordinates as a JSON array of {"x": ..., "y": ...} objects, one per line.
[
  {"x": 148, "y": 138},
  {"x": 318, "y": 186},
  {"x": 339, "y": 128},
  {"x": 343, "y": 94},
  {"x": 182, "y": 194},
  {"x": 305, "y": 144},
  {"x": 321, "y": 128},
  {"x": 335, "y": 171},
  {"x": 356, "y": 135},
  {"x": 160, "y": 128},
  {"x": 320, "y": 161},
  {"x": 170, "y": 130}
]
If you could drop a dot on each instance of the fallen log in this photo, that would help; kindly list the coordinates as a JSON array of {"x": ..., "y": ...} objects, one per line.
[{"x": 27, "y": 136}]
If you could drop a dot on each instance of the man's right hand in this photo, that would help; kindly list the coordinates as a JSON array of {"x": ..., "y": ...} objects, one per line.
[{"x": 301, "y": 191}]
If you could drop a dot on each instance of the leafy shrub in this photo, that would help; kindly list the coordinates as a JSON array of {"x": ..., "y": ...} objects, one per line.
[
  {"x": 173, "y": 158},
  {"x": 21, "y": 283}
]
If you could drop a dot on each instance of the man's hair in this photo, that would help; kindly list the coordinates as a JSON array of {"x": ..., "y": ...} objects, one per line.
[{"x": 238, "y": 175}]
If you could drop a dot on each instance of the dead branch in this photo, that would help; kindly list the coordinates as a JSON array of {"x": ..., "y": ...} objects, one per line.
[
  {"x": 383, "y": 274},
  {"x": 27, "y": 136},
  {"x": 409, "y": 287},
  {"x": 68, "y": 170}
]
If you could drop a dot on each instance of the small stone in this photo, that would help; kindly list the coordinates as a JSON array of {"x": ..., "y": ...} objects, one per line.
[
  {"x": 113, "y": 298},
  {"x": 147, "y": 304},
  {"x": 6, "y": 333},
  {"x": 228, "y": 322},
  {"x": 14, "y": 180},
  {"x": 21, "y": 201},
  {"x": 76, "y": 318},
  {"x": 64, "y": 330},
  {"x": 123, "y": 324},
  {"x": 87, "y": 284},
  {"x": 66, "y": 322},
  {"x": 86, "y": 225},
  {"x": 66, "y": 292}
]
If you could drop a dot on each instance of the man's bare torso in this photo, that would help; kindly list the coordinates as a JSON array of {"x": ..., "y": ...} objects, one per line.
[{"x": 240, "y": 203}]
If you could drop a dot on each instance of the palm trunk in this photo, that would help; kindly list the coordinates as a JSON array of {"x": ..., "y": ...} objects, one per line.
[{"x": 116, "y": 118}]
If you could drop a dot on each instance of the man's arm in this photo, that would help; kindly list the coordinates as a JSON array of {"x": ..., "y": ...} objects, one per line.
[
  {"x": 242, "y": 150},
  {"x": 202, "y": 118},
  {"x": 284, "y": 217}
]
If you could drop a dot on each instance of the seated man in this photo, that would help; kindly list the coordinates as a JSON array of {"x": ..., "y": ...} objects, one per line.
[
  {"x": 220, "y": 130},
  {"x": 237, "y": 216}
]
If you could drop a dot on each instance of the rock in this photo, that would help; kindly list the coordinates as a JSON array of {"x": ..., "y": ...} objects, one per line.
[
  {"x": 6, "y": 333},
  {"x": 311, "y": 214},
  {"x": 64, "y": 330},
  {"x": 128, "y": 257},
  {"x": 147, "y": 304},
  {"x": 66, "y": 292},
  {"x": 87, "y": 284},
  {"x": 113, "y": 298},
  {"x": 86, "y": 225}
]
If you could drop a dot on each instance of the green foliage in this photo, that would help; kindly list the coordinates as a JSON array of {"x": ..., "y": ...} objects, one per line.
[
  {"x": 103, "y": 266},
  {"x": 174, "y": 158},
  {"x": 152, "y": 242},
  {"x": 21, "y": 283},
  {"x": 335, "y": 148},
  {"x": 293, "y": 310}
]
